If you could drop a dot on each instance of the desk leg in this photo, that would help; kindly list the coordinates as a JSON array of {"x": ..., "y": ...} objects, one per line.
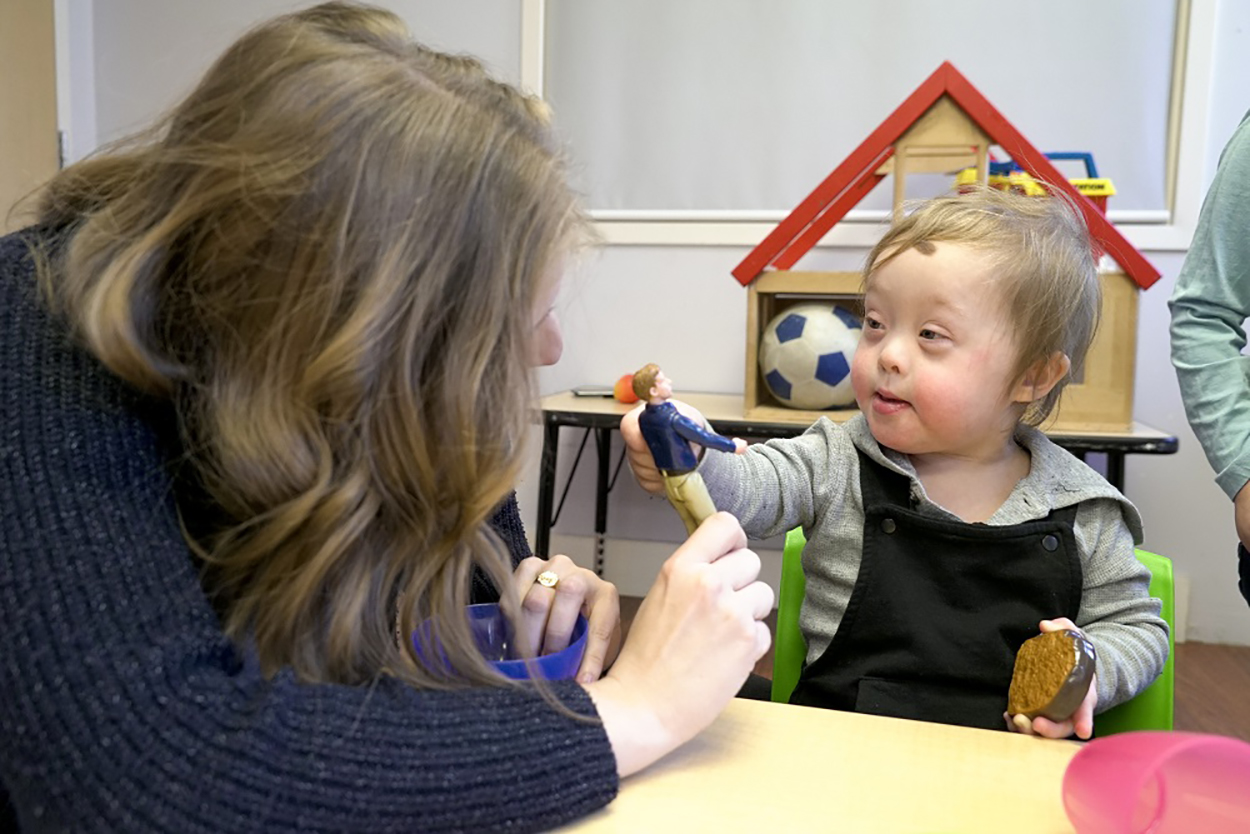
[
  {"x": 546, "y": 488},
  {"x": 1115, "y": 469},
  {"x": 603, "y": 440}
]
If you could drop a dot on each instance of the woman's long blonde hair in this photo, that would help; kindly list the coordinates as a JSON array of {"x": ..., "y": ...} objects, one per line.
[{"x": 329, "y": 257}]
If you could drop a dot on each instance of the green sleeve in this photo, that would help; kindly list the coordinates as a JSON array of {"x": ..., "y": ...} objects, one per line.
[{"x": 1209, "y": 308}]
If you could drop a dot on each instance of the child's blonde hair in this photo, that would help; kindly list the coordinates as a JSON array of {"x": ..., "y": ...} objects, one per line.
[
  {"x": 1042, "y": 258},
  {"x": 328, "y": 257}
]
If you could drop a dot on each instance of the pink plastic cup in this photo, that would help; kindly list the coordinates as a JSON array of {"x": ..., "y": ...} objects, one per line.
[{"x": 1159, "y": 783}]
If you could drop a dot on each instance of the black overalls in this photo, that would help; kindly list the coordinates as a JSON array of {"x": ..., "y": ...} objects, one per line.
[{"x": 939, "y": 609}]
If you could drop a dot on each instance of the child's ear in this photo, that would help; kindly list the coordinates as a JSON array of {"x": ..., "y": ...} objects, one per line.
[{"x": 1041, "y": 377}]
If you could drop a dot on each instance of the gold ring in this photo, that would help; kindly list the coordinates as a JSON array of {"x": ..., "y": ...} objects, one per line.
[{"x": 548, "y": 579}]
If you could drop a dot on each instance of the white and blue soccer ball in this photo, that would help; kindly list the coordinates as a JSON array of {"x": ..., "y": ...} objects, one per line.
[{"x": 805, "y": 355}]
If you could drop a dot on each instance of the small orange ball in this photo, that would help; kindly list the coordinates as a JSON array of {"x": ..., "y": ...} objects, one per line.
[{"x": 623, "y": 390}]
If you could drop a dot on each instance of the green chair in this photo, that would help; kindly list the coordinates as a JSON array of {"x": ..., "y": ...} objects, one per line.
[
  {"x": 789, "y": 647},
  {"x": 1152, "y": 709}
]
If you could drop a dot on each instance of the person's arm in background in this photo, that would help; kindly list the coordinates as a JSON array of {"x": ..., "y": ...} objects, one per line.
[{"x": 1209, "y": 307}]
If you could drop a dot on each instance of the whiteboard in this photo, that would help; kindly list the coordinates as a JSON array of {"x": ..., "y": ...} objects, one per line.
[{"x": 743, "y": 106}]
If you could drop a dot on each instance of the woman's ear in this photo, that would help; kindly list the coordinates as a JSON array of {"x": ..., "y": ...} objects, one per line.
[{"x": 1041, "y": 377}]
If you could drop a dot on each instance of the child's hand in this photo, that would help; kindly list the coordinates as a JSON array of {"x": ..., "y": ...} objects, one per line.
[{"x": 1080, "y": 722}]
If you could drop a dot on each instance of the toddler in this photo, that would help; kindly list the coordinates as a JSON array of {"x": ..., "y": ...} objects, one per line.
[{"x": 943, "y": 528}]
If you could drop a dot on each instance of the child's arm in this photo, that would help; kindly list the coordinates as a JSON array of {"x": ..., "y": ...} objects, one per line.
[
  {"x": 779, "y": 485},
  {"x": 773, "y": 488},
  {"x": 1117, "y": 613}
]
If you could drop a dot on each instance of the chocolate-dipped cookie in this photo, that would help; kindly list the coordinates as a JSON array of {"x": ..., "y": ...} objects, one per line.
[{"x": 1052, "y": 675}]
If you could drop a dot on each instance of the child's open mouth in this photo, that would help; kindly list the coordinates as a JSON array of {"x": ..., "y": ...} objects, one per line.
[{"x": 886, "y": 404}]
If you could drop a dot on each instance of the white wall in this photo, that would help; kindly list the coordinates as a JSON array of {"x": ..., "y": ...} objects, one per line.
[
  {"x": 130, "y": 59},
  {"x": 626, "y": 305}
]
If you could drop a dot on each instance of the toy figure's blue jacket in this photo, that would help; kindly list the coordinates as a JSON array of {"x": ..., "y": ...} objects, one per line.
[{"x": 669, "y": 435}]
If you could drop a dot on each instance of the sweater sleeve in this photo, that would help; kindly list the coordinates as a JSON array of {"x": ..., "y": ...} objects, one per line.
[
  {"x": 1117, "y": 612},
  {"x": 781, "y": 484},
  {"x": 1209, "y": 307},
  {"x": 125, "y": 707}
]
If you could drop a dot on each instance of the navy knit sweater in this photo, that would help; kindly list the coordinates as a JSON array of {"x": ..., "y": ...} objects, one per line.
[{"x": 123, "y": 707}]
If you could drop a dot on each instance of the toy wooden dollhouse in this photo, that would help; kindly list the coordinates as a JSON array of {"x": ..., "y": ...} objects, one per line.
[{"x": 945, "y": 125}]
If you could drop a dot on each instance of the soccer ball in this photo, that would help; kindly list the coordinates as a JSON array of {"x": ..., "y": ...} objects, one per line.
[{"x": 805, "y": 355}]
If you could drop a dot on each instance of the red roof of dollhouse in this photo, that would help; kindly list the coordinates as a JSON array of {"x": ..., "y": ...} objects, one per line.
[{"x": 851, "y": 181}]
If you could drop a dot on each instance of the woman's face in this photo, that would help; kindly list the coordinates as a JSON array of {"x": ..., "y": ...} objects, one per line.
[{"x": 548, "y": 339}]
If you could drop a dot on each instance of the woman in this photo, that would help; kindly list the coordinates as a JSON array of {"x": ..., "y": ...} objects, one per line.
[{"x": 261, "y": 403}]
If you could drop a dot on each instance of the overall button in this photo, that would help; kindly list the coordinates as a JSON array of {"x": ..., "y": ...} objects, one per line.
[
  {"x": 1050, "y": 542},
  {"x": 888, "y": 525}
]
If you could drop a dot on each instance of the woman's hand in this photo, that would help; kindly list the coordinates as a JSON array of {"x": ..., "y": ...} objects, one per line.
[
  {"x": 1080, "y": 722},
  {"x": 639, "y": 456},
  {"x": 697, "y": 636},
  {"x": 548, "y": 614}
]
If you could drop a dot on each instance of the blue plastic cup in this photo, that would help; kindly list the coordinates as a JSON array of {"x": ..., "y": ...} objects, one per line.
[{"x": 493, "y": 634}]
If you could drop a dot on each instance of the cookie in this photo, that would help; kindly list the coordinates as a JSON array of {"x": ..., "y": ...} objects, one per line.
[{"x": 1052, "y": 675}]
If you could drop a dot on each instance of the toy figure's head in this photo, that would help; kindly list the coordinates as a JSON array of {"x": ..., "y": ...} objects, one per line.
[{"x": 651, "y": 385}]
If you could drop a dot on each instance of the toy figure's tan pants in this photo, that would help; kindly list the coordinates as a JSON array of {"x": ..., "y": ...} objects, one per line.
[{"x": 688, "y": 495}]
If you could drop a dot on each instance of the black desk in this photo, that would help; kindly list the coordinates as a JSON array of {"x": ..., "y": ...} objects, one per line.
[{"x": 600, "y": 416}]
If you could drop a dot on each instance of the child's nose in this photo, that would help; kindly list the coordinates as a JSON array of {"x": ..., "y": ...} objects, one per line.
[{"x": 891, "y": 358}]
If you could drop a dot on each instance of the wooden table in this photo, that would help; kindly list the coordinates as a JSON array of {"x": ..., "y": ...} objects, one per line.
[
  {"x": 765, "y": 767},
  {"x": 600, "y": 416}
]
